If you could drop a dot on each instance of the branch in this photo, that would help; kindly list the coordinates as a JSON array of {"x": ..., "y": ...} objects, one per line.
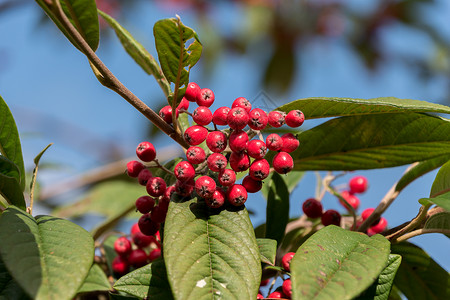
[{"x": 420, "y": 232}]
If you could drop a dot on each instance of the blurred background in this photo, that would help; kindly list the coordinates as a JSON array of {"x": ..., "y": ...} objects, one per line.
[{"x": 271, "y": 52}]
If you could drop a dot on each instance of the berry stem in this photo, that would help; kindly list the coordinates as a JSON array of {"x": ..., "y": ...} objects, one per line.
[
  {"x": 158, "y": 165},
  {"x": 420, "y": 232}
]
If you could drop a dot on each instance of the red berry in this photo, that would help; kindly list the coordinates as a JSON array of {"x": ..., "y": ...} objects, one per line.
[
  {"x": 351, "y": 199},
  {"x": 144, "y": 176},
  {"x": 184, "y": 188},
  {"x": 122, "y": 246},
  {"x": 154, "y": 254},
  {"x": 277, "y": 295},
  {"x": 380, "y": 226},
  {"x": 227, "y": 177},
  {"x": 251, "y": 185},
  {"x": 312, "y": 208},
  {"x": 195, "y": 135},
  {"x": 205, "y": 186},
  {"x": 205, "y": 98},
  {"x": 238, "y": 140},
  {"x": 168, "y": 193},
  {"x": 290, "y": 142},
  {"x": 276, "y": 118},
  {"x": 264, "y": 282},
  {"x": 145, "y": 204},
  {"x": 358, "y": 184},
  {"x": 184, "y": 171},
  {"x": 146, "y": 151},
  {"x": 217, "y": 162},
  {"x": 139, "y": 239},
  {"x": 217, "y": 200},
  {"x": 195, "y": 155},
  {"x": 242, "y": 102},
  {"x": 147, "y": 225},
  {"x": 283, "y": 162},
  {"x": 294, "y": 118},
  {"x": 237, "y": 118},
  {"x": 367, "y": 212},
  {"x": 239, "y": 162},
  {"x": 138, "y": 258},
  {"x": 202, "y": 115},
  {"x": 274, "y": 142},
  {"x": 256, "y": 149},
  {"x": 286, "y": 261},
  {"x": 220, "y": 115},
  {"x": 192, "y": 90},
  {"x": 216, "y": 141},
  {"x": 134, "y": 168},
  {"x": 184, "y": 104},
  {"x": 257, "y": 119},
  {"x": 156, "y": 186},
  {"x": 259, "y": 169},
  {"x": 159, "y": 213},
  {"x": 259, "y": 296},
  {"x": 120, "y": 266},
  {"x": 237, "y": 195},
  {"x": 331, "y": 217},
  {"x": 166, "y": 113},
  {"x": 287, "y": 288}
]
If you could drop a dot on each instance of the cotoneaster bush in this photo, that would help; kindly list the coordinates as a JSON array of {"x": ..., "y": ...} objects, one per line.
[{"x": 194, "y": 238}]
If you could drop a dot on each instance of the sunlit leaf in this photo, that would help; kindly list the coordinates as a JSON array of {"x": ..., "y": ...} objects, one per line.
[
  {"x": 268, "y": 250},
  {"x": 439, "y": 221}
]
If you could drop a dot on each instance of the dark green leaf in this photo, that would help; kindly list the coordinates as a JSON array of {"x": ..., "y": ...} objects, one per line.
[
  {"x": 277, "y": 211},
  {"x": 35, "y": 170},
  {"x": 336, "y": 263},
  {"x": 121, "y": 297},
  {"x": 441, "y": 201},
  {"x": 48, "y": 257},
  {"x": 333, "y": 107},
  {"x": 110, "y": 253},
  {"x": 149, "y": 281},
  {"x": 96, "y": 280},
  {"x": 9, "y": 289},
  {"x": 10, "y": 188},
  {"x": 381, "y": 288},
  {"x": 10, "y": 142},
  {"x": 376, "y": 141},
  {"x": 419, "y": 276},
  {"x": 291, "y": 179},
  {"x": 438, "y": 221},
  {"x": 441, "y": 183},
  {"x": 210, "y": 253},
  {"x": 268, "y": 250}
]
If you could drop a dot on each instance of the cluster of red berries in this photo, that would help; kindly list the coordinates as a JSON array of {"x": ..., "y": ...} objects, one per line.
[
  {"x": 136, "y": 251},
  {"x": 285, "y": 290}
]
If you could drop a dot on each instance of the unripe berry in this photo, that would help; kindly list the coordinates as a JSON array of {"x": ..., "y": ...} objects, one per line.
[
  {"x": 217, "y": 162},
  {"x": 156, "y": 186},
  {"x": 312, "y": 208},
  {"x": 158, "y": 214},
  {"x": 184, "y": 104},
  {"x": 239, "y": 162},
  {"x": 237, "y": 195},
  {"x": 217, "y": 200},
  {"x": 331, "y": 217},
  {"x": 147, "y": 225},
  {"x": 276, "y": 118},
  {"x": 220, "y": 116},
  {"x": 351, "y": 199},
  {"x": 259, "y": 169},
  {"x": 205, "y": 186},
  {"x": 146, "y": 151},
  {"x": 256, "y": 149},
  {"x": 274, "y": 142},
  {"x": 358, "y": 184},
  {"x": 205, "y": 98},
  {"x": 195, "y": 135},
  {"x": 238, "y": 141},
  {"x": 290, "y": 142},
  {"x": 195, "y": 155},
  {"x": 251, "y": 185},
  {"x": 184, "y": 171},
  {"x": 242, "y": 102},
  {"x": 138, "y": 258},
  {"x": 184, "y": 188},
  {"x": 227, "y": 177},
  {"x": 283, "y": 162},
  {"x": 145, "y": 204},
  {"x": 120, "y": 266},
  {"x": 258, "y": 119},
  {"x": 380, "y": 226},
  {"x": 286, "y": 261},
  {"x": 139, "y": 239},
  {"x": 144, "y": 176},
  {"x": 287, "y": 288},
  {"x": 134, "y": 168},
  {"x": 216, "y": 141},
  {"x": 192, "y": 90},
  {"x": 166, "y": 113},
  {"x": 202, "y": 115},
  {"x": 122, "y": 246},
  {"x": 237, "y": 118},
  {"x": 154, "y": 254},
  {"x": 294, "y": 118}
]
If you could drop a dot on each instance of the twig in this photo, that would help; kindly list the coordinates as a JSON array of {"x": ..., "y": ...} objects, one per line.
[
  {"x": 420, "y": 232},
  {"x": 158, "y": 165},
  {"x": 417, "y": 221}
]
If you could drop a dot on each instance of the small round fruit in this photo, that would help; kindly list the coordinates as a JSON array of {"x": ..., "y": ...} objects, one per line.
[
  {"x": 366, "y": 214},
  {"x": 122, "y": 246},
  {"x": 294, "y": 118},
  {"x": 120, "y": 266},
  {"x": 276, "y": 118},
  {"x": 192, "y": 90},
  {"x": 286, "y": 261},
  {"x": 258, "y": 119},
  {"x": 166, "y": 113},
  {"x": 139, "y": 239},
  {"x": 237, "y": 118},
  {"x": 331, "y": 217},
  {"x": 154, "y": 254},
  {"x": 144, "y": 176},
  {"x": 358, "y": 184},
  {"x": 227, "y": 177},
  {"x": 380, "y": 227},
  {"x": 205, "y": 186},
  {"x": 137, "y": 258},
  {"x": 195, "y": 135},
  {"x": 282, "y": 162},
  {"x": 238, "y": 140},
  {"x": 195, "y": 155},
  {"x": 217, "y": 200},
  {"x": 146, "y": 151},
  {"x": 145, "y": 204},
  {"x": 256, "y": 149},
  {"x": 239, "y": 162},
  {"x": 259, "y": 169},
  {"x": 220, "y": 116},
  {"x": 184, "y": 105},
  {"x": 205, "y": 97},
  {"x": 287, "y": 288},
  {"x": 242, "y": 102},
  {"x": 156, "y": 186},
  {"x": 217, "y": 162},
  {"x": 351, "y": 199},
  {"x": 147, "y": 225},
  {"x": 312, "y": 208},
  {"x": 134, "y": 168},
  {"x": 158, "y": 214},
  {"x": 202, "y": 115},
  {"x": 184, "y": 171},
  {"x": 251, "y": 185},
  {"x": 237, "y": 195},
  {"x": 216, "y": 141},
  {"x": 290, "y": 142},
  {"x": 277, "y": 295},
  {"x": 184, "y": 188},
  {"x": 274, "y": 142},
  {"x": 168, "y": 193}
]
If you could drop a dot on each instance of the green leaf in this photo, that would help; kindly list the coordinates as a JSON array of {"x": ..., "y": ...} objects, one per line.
[
  {"x": 314, "y": 108},
  {"x": 35, "y": 170},
  {"x": 110, "y": 253},
  {"x": 277, "y": 211},
  {"x": 420, "y": 169},
  {"x": 376, "y": 141},
  {"x": 291, "y": 179},
  {"x": 151, "y": 280},
  {"x": 96, "y": 280},
  {"x": 210, "y": 253},
  {"x": 441, "y": 201},
  {"x": 336, "y": 263},
  {"x": 381, "y": 288},
  {"x": 10, "y": 188},
  {"x": 48, "y": 257},
  {"x": 140, "y": 55},
  {"x": 419, "y": 276},
  {"x": 10, "y": 142},
  {"x": 268, "y": 250},
  {"x": 438, "y": 221},
  {"x": 442, "y": 181},
  {"x": 9, "y": 289}
]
